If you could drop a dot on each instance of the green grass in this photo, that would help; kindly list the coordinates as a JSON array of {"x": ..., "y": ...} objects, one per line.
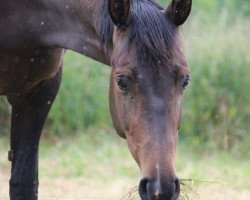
[
  {"x": 97, "y": 164},
  {"x": 216, "y": 104},
  {"x": 85, "y": 152},
  {"x": 83, "y": 96}
]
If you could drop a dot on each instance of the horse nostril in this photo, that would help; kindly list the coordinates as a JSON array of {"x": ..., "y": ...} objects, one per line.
[{"x": 143, "y": 189}]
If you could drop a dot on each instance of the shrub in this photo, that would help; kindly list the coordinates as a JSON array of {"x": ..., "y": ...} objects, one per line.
[
  {"x": 83, "y": 97},
  {"x": 216, "y": 106},
  {"x": 4, "y": 116}
]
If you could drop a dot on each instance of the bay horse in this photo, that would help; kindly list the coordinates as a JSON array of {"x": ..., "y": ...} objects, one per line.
[{"x": 137, "y": 38}]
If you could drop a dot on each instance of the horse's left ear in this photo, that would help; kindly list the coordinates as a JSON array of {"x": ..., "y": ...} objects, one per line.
[
  {"x": 119, "y": 11},
  {"x": 178, "y": 11}
]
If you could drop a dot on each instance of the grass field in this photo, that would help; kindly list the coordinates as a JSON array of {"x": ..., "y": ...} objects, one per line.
[{"x": 98, "y": 165}]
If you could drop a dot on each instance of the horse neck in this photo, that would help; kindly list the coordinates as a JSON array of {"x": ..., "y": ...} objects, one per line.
[{"x": 74, "y": 27}]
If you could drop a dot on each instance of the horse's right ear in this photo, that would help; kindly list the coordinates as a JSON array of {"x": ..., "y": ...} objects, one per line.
[
  {"x": 178, "y": 11},
  {"x": 119, "y": 11}
]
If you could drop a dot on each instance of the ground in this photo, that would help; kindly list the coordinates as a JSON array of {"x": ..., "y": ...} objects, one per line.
[{"x": 101, "y": 167}]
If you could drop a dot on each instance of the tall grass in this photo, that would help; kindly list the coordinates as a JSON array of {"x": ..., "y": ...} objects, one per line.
[
  {"x": 213, "y": 7},
  {"x": 83, "y": 97},
  {"x": 4, "y": 116},
  {"x": 216, "y": 104}
]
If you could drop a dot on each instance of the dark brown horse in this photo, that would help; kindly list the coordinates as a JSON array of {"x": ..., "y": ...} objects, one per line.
[{"x": 138, "y": 38}]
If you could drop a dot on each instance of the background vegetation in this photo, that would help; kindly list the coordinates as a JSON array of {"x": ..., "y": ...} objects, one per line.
[{"x": 216, "y": 106}]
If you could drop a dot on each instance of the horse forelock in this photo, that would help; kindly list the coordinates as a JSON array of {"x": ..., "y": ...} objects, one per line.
[{"x": 155, "y": 36}]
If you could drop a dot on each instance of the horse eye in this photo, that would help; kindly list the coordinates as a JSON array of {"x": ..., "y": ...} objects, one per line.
[
  {"x": 185, "y": 81},
  {"x": 122, "y": 82}
]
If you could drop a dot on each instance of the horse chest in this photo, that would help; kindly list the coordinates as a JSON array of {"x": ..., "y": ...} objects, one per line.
[{"x": 21, "y": 71}]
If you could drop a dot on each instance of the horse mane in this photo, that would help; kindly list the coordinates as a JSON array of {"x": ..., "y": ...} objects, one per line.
[
  {"x": 155, "y": 36},
  {"x": 105, "y": 26}
]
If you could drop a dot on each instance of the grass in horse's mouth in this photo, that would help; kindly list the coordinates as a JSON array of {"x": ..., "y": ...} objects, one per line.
[
  {"x": 189, "y": 190},
  {"x": 133, "y": 194}
]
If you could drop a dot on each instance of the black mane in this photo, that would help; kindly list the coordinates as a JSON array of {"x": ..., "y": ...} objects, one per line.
[{"x": 153, "y": 32}]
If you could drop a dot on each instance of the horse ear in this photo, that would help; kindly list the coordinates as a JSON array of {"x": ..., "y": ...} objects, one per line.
[
  {"x": 119, "y": 11},
  {"x": 179, "y": 11}
]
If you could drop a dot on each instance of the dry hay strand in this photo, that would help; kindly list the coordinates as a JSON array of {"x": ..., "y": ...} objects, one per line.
[
  {"x": 133, "y": 194},
  {"x": 189, "y": 190}
]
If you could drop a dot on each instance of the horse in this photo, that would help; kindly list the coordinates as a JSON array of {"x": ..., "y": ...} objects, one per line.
[{"x": 139, "y": 39}]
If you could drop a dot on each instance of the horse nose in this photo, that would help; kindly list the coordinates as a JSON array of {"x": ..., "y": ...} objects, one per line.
[{"x": 155, "y": 189}]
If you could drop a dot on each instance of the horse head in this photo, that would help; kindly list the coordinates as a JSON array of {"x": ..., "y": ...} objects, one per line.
[{"x": 148, "y": 75}]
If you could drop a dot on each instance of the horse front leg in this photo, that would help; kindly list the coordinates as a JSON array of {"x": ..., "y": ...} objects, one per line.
[{"x": 29, "y": 113}]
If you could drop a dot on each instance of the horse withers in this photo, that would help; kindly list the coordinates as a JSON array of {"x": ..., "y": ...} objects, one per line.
[{"x": 137, "y": 38}]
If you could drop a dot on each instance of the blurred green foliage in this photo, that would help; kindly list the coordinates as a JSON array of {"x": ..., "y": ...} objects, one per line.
[
  {"x": 216, "y": 6},
  {"x": 216, "y": 104},
  {"x": 83, "y": 97},
  {"x": 4, "y": 116}
]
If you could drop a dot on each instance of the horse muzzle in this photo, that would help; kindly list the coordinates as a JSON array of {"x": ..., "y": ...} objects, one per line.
[{"x": 159, "y": 189}]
